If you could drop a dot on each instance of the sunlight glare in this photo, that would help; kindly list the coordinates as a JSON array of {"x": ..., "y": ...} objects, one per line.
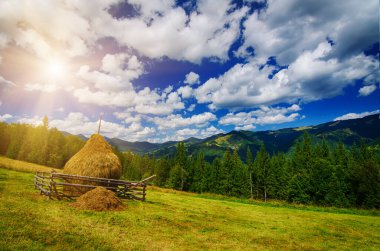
[{"x": 56, "y": 69}]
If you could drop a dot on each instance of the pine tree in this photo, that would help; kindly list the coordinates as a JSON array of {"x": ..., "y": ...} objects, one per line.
[
  {"x": 4, "y": 137},
  {"x": 176, "y": 177},
  {"x": 199, "y": 173},
  {"x": 264, "y": 173},
  {"x": 250, "y": 170},
  {"x": 181, "y": 161},
  {"x": 227, "y": 167}
]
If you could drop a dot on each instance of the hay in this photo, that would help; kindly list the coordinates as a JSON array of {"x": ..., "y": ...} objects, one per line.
[
  {"x": 99, "y": 199},
  {"x": 95, "y": 159}
]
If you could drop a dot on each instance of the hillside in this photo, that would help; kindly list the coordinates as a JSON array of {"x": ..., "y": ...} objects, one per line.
[
  {"x": 347, "y": 131},
  {"x": 172, "y": 220}
]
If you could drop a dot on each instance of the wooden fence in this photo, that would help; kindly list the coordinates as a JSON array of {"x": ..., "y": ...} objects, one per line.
[{"x": 66, "y": 186}]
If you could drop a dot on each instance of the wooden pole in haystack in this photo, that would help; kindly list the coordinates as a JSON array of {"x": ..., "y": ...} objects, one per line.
[{"x": 100, "y": 122}]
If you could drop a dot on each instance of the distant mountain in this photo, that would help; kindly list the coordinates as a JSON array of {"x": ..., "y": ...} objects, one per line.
[
  {"x": 346, "y": 131},
  {"x": 136, "y": 147}
]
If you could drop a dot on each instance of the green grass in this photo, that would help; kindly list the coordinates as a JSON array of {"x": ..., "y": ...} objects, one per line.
[
  {"x": 172, "y": 220},
  {"x": 23, "y": 166}
]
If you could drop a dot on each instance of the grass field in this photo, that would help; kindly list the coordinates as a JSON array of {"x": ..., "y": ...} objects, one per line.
[
  {"x": 171, "y": 220},
  {"x": 23, "y": 166}
]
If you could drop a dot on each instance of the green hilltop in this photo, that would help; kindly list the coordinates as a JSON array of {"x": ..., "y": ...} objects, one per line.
[{"x": 352, "y": 131}]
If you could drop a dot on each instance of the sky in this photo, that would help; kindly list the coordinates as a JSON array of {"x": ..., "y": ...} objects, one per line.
[{"x": 161, "y": 70}]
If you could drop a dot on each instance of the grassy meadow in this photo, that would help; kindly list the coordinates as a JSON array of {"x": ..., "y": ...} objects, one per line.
[{"x": 172, "y": 220}]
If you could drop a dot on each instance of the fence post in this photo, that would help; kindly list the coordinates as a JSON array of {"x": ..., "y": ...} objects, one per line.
[
  {"x": 51, "y": 184},
  {"x": 144, "y": 188}
]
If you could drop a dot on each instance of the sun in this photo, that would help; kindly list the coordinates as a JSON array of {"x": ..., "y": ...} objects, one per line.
[{"x": 56, "y": 69}]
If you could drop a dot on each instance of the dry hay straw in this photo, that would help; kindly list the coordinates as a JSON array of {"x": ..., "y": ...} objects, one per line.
[
  {"x": 99, "y": 199},
  {"x": 95, "y": 159}
]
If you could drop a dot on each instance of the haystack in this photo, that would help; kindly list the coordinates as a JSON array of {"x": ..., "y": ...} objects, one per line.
[
  {"x": 95, "y": 159},
  {"x": 99, "y": 199}
]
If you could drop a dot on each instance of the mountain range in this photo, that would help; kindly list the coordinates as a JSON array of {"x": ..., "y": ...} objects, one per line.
[{"x": 351, "y": 131}]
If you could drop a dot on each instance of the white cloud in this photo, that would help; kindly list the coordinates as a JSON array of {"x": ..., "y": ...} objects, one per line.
[
  {"x": 191, "y": 107},
  {"x": 356, "y": 115},
  {"x": 186, "y": 133},
  {"x": 78, "y": 123},
  {"x": 28, "y": 27},
  {"x": 287, "y": 28},
  {"x": 263, "y": 116},
  {"x": 128, "y": 117},
  {"x": 74, "y": 27},
  {"x": 35, "y": 121},
  {"x": 176, "y": 121},
  {"x": 5, "y": 117},
  {"x": 118, "y": 99},
  {"x": 41, "y": 87},
  {"x": 5, "y": 83},
  {"x": 162, "y": 29},
  {"x": 118, "y": 70},
  {"x": 245, "y": 128},
  {"x": 185, "y": 91},
  {"x": 191, "y": 78},
  {"x": 312, "y": 76},
  {"x": 367, "y": 90},
  {"x": 210, "y": 131}
]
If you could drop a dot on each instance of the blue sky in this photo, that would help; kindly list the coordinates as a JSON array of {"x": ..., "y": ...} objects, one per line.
[{"x": 169, "y": 70}]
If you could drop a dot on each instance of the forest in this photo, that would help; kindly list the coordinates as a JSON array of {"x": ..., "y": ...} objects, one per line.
[{"x": 310, "y": 173}]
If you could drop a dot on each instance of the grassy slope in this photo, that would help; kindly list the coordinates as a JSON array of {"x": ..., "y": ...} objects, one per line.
[
  {"x": 172, "y": 220},
  {"x": 23, "y": 166}
]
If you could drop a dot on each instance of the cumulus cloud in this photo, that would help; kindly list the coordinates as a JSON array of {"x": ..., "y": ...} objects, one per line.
[
  {"x": 367, "y": 90},
  {"x": 351, "y": 26},
  {"x": 191, "y": 107},
  {"x": 118, "y": 70},
  {"x": 176, "y": 121},
  {"x": 78, "y": 123},
  {"x": 41, "y": 87},
  {"x": 263, "y": 116},
  {"x": 245, "y": 128},
  {"x": 163, "y": 29},
  {"x": 5, "y": 117},
  {"x": 312, "y": 76},
  {"x": 186, "y": 133},
  {"x": 185, "y": 91},
  {"x": 35, "y": 120},
  {"x": 145, "y": 101},
  {"x": 191, "y": 78},
  {"x": 356, "y": 115},
  {"x": 127, "y": 117},
  {"x": 4, "y": 83},
  {"x": 66, "y": 28}
]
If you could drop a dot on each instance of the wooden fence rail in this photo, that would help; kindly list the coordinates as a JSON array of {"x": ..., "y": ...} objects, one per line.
[{"x": 61, "y": 186}]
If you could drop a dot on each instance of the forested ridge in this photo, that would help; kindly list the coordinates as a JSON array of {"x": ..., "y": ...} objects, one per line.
[
  {"x": 312, "y": 172},
  {"x": 38, "y": 144}
]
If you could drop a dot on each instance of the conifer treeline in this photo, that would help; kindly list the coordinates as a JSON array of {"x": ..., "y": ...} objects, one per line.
[
  {"x": 317, "y": 174},
  {"x": 38, "y": 145}
]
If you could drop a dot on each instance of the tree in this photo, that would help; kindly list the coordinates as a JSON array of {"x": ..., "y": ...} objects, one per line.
[
  {"x": 250, "y": 169},
  {"x": 281, "y": 176},
  {"x": 45, "y": 122},
  {"x": 162, "y": 170},
  {"x": 175, "y": 177},
  {"x": 4, "y": 137},
  {"x": 263, "y": 168},
  {"x": 199, "y": 174},
  {"x": 181, "y": 161}
]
